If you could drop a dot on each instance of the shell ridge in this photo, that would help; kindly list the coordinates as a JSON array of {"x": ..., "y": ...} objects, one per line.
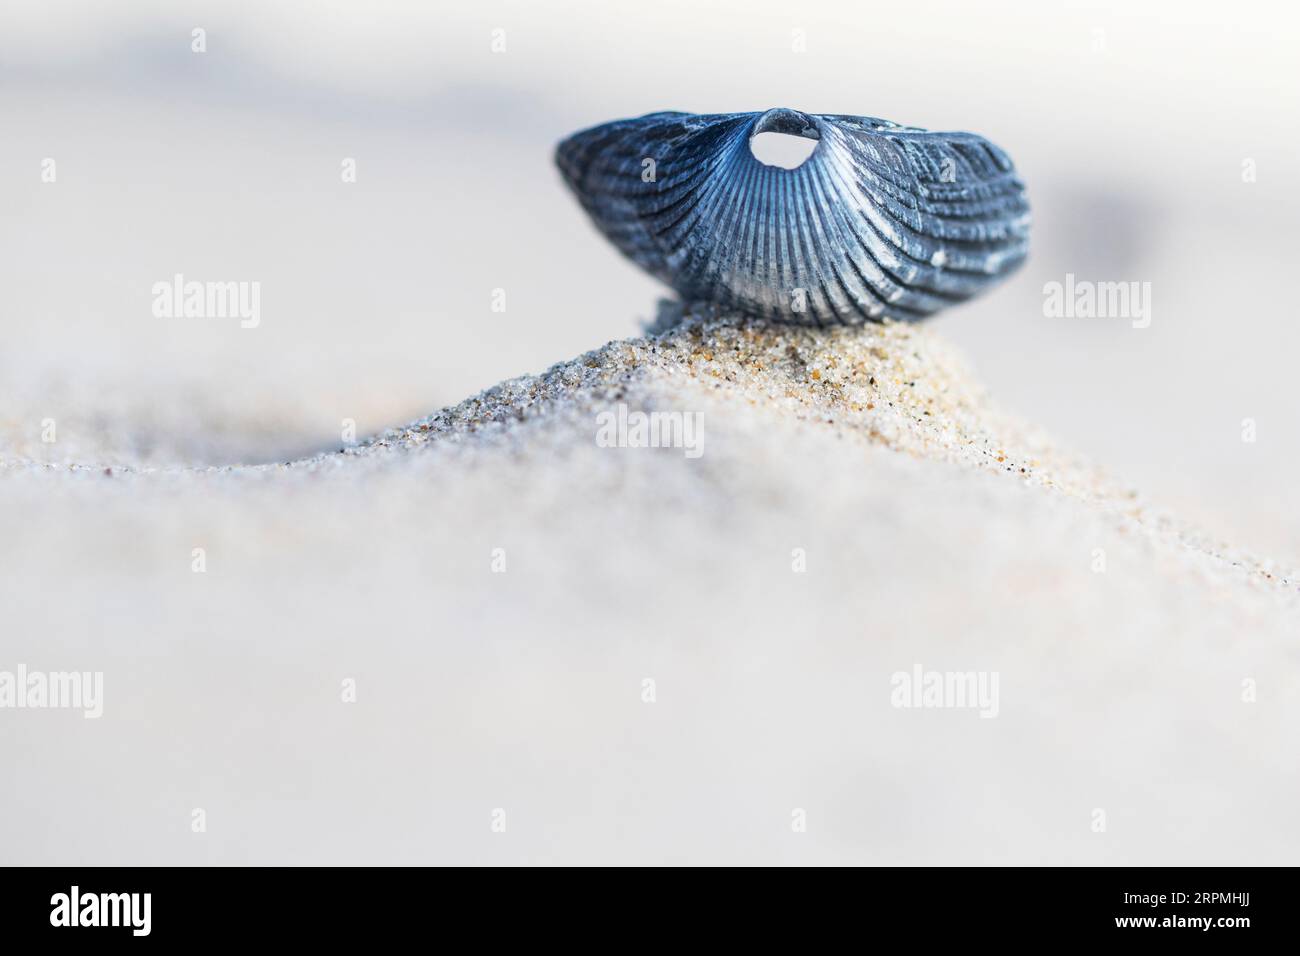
[
  {"x": 838, "y": 242},
  {"x": 877, "y": 245},
  {"x": 731, "y": 189},
  {"x": 849, "y": 239}
]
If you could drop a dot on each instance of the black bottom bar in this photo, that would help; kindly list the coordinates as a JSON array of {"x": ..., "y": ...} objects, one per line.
[{"x": 337, "y": 905}]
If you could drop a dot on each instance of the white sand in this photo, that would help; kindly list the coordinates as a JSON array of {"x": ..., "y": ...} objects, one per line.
[{"x": 937, "y": 531}]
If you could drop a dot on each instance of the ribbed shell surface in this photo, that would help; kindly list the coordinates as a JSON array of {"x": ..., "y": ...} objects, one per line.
[{"x": 880, "y": 221}]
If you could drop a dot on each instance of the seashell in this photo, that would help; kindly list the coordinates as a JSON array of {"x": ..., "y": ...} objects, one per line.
[{"x": 880, "y": 221}]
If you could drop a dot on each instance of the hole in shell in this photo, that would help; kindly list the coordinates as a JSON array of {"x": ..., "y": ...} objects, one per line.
[{"x": 781, "y": 149}]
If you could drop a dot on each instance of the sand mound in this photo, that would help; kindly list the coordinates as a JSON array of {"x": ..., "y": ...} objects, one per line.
[{"x": 895, "y": 385}]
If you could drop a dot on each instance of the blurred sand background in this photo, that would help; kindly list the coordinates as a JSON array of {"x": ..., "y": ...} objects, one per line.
[{"x": 1130, "y": 124}]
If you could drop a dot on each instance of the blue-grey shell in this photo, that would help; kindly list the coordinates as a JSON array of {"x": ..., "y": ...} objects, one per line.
[{"x": 880, "y": 221}]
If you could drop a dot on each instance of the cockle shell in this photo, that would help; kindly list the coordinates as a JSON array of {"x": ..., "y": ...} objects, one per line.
[{"x": 881, "y": 220}]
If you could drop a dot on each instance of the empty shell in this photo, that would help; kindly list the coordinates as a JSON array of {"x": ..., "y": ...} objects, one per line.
[{"x": 880, "y": 221}]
